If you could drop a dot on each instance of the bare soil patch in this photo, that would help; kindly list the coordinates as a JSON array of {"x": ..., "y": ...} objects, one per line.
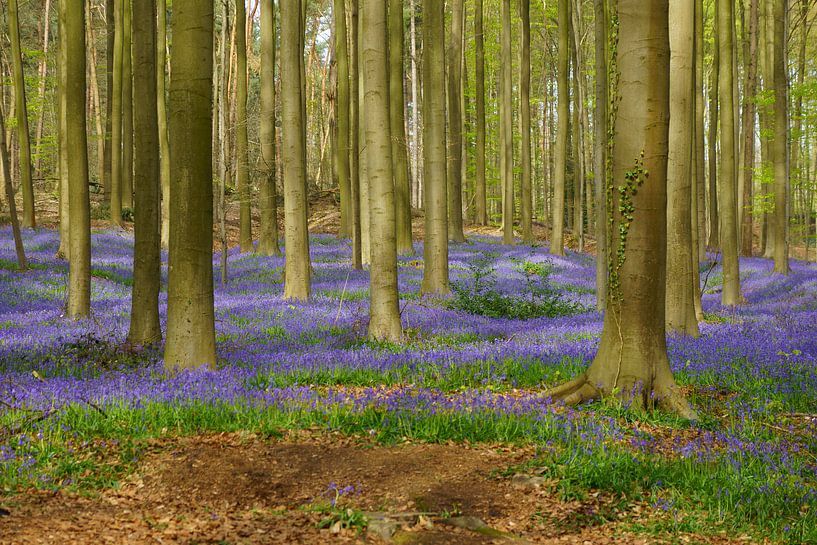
[{"x": 243, "y": 489}]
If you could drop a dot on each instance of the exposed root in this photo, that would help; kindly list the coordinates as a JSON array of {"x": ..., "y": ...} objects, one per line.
[
  {"x": 560, "y": 392},
  {"x": 672, "y": 401},
  {"x": 586, "y": 393}
]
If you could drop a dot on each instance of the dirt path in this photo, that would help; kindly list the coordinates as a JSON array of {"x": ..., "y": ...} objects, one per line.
[{"x": 240, "y": 489}]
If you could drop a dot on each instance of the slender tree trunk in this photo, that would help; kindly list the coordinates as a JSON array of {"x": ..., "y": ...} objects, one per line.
[
  {"x": 62, "y": 134},
  {"x": 22, "y": 263},
  {"x": 110, "y": 27},
  {"x": 191, "y": 338},
  {"x": 42, "y": 86},
  {"x": 481, "y": 203},
  {"x": 363, "y": 164},
  {"x": 354, "y": 133},
  {"x": 342, "y": 148},
  {"x": 417, "y": 179},
  {"x": 76, "y": 147},
  {"x": 95, "y": 101},
  {"x": 727, "y": 183},
  {"x": 681, "y": 276},
  {"x": 161, "y": 106},
  {"x": 454, "y": 173},
  {"x": 750, "y": 89},
  {"x": 127, "y": 107},
  {"x": 600, "y": 141},
  {"x": 557, "y": 236},
  {"x": 384, "y": 321},
  {"x": 435, "y": 257},
  {"x": 402, "y": 189},
  {"x": 268, "y": 237},
  {"x": 297, "y": 286},
  {"x": 767, "y": 122},
  {"x": 714, "y": 222},
  {"x": 117, "y": 113},
  {"x": 524, "y": 122},
  {"x": 780, "y": 145},
  {"x": 579, "y": 130},
  {"x": 241, "y": 140},
  {"x": 632, "y": 358},
  {"x": 147, "y": 260},
  {"x": 21, "y": 113},
  {"x": 506, "y": 122}
]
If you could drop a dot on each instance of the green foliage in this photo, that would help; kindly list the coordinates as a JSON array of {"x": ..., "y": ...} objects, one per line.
[
  {"x": 478, "y": 294},
  {"x": 633, "y": 180}
]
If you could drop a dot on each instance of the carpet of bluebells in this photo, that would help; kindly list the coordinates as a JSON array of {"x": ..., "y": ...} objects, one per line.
[{"x": 71, "y": 393}]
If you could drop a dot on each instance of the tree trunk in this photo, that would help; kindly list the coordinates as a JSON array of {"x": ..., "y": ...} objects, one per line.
[
  {"x": 714, "y": 222},
  {"x": 402, "y": 189},
  {"x": 41, "y": 92},
  {"x": 22, "y": 263},
  {"x": 727, "y": 183},
  {"x": 342, "y": 147},
  {"x": 681, "y": 276},
  {"x": 144, "y": 320},
  {"x": 435, "y": 253},
  {"x": 506, "y": 123},
  {"x": 700, "y": 130},
  {"x": 62, "y": 134},
  {"x": 748, "y": 121},
  {"x": 454, "y": 173},
  {"x": 558, "y": 206},
  {"x": 191, "y": 339},
  {"x": 161, "y": 105},
  {"x": 21, "y": 109},
  {"x": 354, "y": 134},
  {"x": 384, "y": 313},
  {"x": 117, "y": 116},
  {"x": 76, "y": 148},
  {"x": 241, "y": 141},
  {"x": 780, "y": 145},
  {"x": 110, "y": 31},
  {"x": 600, "y": 141},
  {"x": 481, "y": 202},
  {"x": 526, "y": 193},
  {"x": 127, "y": 107},
  {"x": 268, "y": 237},
  {"x": 297, "y": 285},
  {"x": 632, "y": 358}
]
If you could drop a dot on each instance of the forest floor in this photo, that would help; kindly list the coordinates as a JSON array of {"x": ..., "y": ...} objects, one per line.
[{"x": 309, "y": 433}]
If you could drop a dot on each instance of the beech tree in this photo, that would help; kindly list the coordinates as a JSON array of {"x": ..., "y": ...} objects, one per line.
[
  {"x": 268, "y": 236},
  {"x": 557, "y": 234},
  {"x": 5, "y": 171},
  {"x": 435, "y": 252},
  {"x": 780, "y": 143},
  {"x": 342, "y": 148},
  {"x": 526, "y": 194},
  {"x": 402, "y": 189},
  {"x": 242, "y": 170},
  {"x": 191, "y": 338},
  {"x": 631, "y": 361},
  {"x": 506, "y": 126},
  {"x": 454, "y": 171},
  {"x": 480, "y": 198}
]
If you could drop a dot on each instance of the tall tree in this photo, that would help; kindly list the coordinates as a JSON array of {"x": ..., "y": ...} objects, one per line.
[
  {"x": 62, "y": 134},
  {"x": 402, "y": 189},
  {"x": 748, "y": 121},
  {"x": 191, "y": 339},
  {"x": 563, "y": 113},
  {"x": 76, "y": 148},
  {"x": 21, "y": 112},
  {"x": 681, "y": 275},
  {"x": 506, "y": 126},
  {"x": 354, "y": 137},
  {"x": 780, "y": 144},
  {"x": 632, "y": 358},
  {"x": 481, "y": 203},
  {"x": 242, "y": 167},
  {"x": 714, "y": 222},
  {"x": 343, "y": 108},
  {"x": 161, "y": 105},
  {"x": 5, "y": 172},
  {"x": 147, "y": 260},
  {"x": 384, "y": 320},
  {"x": 454, "y": 173},
  {"x": 127, "y": 105},
  {"x": 526, "y": 193},
  {"x": 435, "y": 251},
  {"x": 268, "y": 237},
  {"x": 727, "y": 183},
  {"x": 600, "y": 144},
  {"x": 110, "y": 43},
  {"x": 115, "y": 99},
  {"x": 297, "y": 285}
]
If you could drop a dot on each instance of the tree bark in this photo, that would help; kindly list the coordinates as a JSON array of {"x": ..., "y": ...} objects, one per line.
[
  {"x": 384, "y": 310},
  {"x": 563, "y": 123},
  {"x": 600, "y": 142},
  {"x": 297, "y": 285},
  {"x": 402, "y": 188},
  {"x": 454, "y": 172},
  {"x": 117, "y": 114},
  {"x": 481, "y": 202},
  {"x": 190, "y": 307},
  {"x": 750, "y": 89},
  {"x": 268, "y": 237},
  {"x": 354, "y": 133},
  {"x": 780, "y": 145},
  {"x": 681, "y": 276},
  {"x": 21, "y": 113},
  {"x": 76, "y": 148},
  {"x": 161, "y": 106},
  {"x": 144, "y": 320},
  {"x": 241, "y": 140},
  {"x": 435, "y": 253},
  {"x": 506, "y": 126},
  {"x": 342, "y": 148},
  {"x": 714, "y": 222},
  {"x": 632, "y": 358},
  {"x": 22, "y": 263},
  {"x": 526, "y": 193},
  {"x": 127, "y": 106}
]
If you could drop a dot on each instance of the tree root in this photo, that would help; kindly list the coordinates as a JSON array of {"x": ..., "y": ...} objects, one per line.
[
  {"x": 575, "y": 392},
  {"x": 672, "y": 401}
]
